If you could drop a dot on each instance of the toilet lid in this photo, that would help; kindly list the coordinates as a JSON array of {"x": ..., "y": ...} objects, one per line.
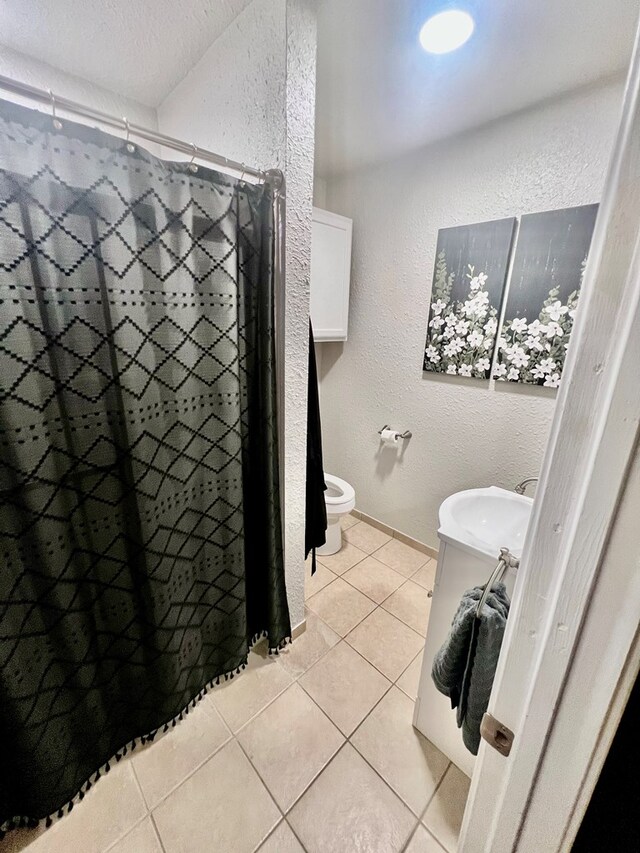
[{"x": 342, "y": 491}]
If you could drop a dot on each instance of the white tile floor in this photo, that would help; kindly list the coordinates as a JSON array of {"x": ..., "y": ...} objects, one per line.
[{"x": 310, "y": 751}]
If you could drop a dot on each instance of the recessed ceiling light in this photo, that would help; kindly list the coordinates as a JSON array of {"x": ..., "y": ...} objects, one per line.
[{"x": 446, "y": 31}]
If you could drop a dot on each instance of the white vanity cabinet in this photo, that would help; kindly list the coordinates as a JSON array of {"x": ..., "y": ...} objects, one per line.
[{"x": 330, "y": 275}]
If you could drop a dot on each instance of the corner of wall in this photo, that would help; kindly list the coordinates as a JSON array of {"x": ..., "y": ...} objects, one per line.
[{"x": 300, "y": 111}]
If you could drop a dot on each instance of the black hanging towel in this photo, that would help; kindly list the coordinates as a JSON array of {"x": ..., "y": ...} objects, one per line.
[{"x": 316, "y": 509}]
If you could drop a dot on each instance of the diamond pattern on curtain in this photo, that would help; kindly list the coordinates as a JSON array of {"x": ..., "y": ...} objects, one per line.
[{"x": 140, "y": 529}]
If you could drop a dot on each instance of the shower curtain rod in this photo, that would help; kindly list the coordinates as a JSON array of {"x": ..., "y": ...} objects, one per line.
[{"x": 58, "y": 102}]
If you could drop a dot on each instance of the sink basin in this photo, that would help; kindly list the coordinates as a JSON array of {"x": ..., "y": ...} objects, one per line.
[{"x": 484, "y": 520}]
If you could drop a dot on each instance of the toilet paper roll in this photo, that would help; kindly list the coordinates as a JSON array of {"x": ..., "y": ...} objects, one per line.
[{"x": 390, "y": 437}]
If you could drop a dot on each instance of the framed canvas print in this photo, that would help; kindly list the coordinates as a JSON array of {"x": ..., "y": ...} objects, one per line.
[
  {"x": 548, "y": 266},
  {"x": 468, "y": 285}
]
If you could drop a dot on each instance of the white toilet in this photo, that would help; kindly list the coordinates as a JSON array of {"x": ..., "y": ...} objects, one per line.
[{"x": 340, "y": 498}]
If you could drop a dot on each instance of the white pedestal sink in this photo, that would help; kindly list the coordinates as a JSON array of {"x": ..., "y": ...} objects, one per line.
[{"x": 474, "y": 525}]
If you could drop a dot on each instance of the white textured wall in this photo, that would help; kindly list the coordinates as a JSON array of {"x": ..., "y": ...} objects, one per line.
[
  {"x": 301, "y": 81},
  {"x": 28, "y": 70},
  {"x": 233, "y": 100},
  {"x": 465, "y": 433},
  {"x": 251, "y": 98}
]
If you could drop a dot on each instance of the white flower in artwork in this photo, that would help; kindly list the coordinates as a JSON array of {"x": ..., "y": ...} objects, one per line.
[
  {"x": 519, "y": 324},
  {"x": 438, "y": 306},
  {"x": 475, "y": 338},
  {"x": 482, "y": 364},
  {"x": 507, "y": 352},
  {"x": 547, "y": 365},
  {"x": 449, "y": 331},
  {"x": 502, "y": 343},
  {"x": 537, "y": 328},
  {"x": 451, "y": 319},
  {"x": 488, "y": 343},
  {"x": 572, "y": 313},
  {"x": 519, "y": 358},
  {"x": 465, "y": 370},
  {"x": 499, "y": 371},
  {"x": 477, "y": 281},
  {"x": 477, "y": 305},
  {"x": 554, "y": 330},
  {"x": 436, "y": 322},
  {"x": 552, "y": 381},
  {"x": 491, "y": 326},
  {"x": 432, "y": 354},
  {"x": 513, "y": 375},
  {"x": 451, "y": 369},
  {"x": 533, "y": 342},
  {"x": 454, "y": 347},
  {"x": 555, "y": 310},
  {"x": 538, "y": 372},
  {"x": 462, "y": 327}
]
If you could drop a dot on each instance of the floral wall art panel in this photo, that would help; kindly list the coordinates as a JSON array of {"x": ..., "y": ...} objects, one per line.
[
  {"x": 548, "y": 266},
  {"x": 468, "y": 286}
]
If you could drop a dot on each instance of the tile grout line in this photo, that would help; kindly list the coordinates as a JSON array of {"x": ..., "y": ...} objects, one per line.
[
  {"x": 117, "y": 840},
  {"x": 329, "y": 760},
  {"x": 233, "y": 736},
  {"x": 430, "y": 800},
  {"x": 267, "y": 789},
  {"x": 404, "y": 579},
  {"x": 413, "y": 698},
  {"x": 295, "y": 834},
  {"x": 137, "y": 823},
  {"x": 365, "y": 759},
  {"x": 410, "y": 838},
  {"x": 347, "y": 740},
  {"x": 393, "y": 681},
  {"x": 395, "y": 533},
  {"x": 157, "y": 832},
  {"x": 308, "y": 604},
  {"x": 191, "y": 772}
]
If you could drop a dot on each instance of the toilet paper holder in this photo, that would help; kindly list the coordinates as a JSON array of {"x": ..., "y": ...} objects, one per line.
[{"x": 406, "y": 434}]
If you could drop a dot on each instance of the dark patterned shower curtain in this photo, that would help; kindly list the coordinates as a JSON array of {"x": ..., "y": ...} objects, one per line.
[{"x": 140, "y": 533}]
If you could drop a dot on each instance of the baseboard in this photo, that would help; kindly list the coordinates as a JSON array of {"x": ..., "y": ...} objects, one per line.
[
  {"x": 299, "y": 629},
  {"x": 401, "y": 537}
]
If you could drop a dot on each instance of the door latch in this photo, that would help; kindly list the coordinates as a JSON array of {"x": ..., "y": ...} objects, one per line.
[{"x": 496, "y": 734}]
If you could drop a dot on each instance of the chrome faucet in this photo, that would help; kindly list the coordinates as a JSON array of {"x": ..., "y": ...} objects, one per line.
[{"x": 520, "y": 488}]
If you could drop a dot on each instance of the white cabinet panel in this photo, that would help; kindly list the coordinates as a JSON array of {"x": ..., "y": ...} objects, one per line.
[{"x": 330, "y": 275}]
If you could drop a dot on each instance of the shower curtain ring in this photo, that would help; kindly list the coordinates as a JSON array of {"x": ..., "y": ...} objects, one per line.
[
  {"x": 55, "y": 121},
  {"x": 193, "y": 166},
  {"x": 130, "y": 146}
]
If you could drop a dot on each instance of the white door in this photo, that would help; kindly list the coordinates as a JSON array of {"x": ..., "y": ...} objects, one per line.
[{"x": 571, "y": 651}]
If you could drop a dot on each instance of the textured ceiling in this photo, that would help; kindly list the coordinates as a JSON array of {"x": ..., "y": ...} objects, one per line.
[
  {"x": 138, "y": 48},
  {"x": 379, "y": 94}
]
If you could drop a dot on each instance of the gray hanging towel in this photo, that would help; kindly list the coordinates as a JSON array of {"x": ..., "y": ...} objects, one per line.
[{"x": 465, "y": 666}]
